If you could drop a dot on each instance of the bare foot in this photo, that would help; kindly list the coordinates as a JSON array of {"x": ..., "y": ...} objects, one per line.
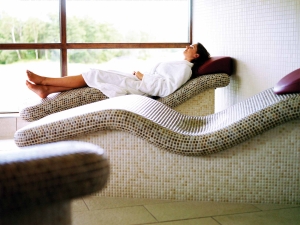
[
  {"x": 40, "y": 90},
  {"x": 37, "y": 79}
]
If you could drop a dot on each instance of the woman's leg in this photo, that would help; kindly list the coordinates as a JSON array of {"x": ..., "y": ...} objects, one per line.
[
  {"x": 44, "y": 90},
  {"x": 68, "y": 82}
]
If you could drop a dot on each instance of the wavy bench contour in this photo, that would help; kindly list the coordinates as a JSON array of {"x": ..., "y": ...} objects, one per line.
[
  {"x": 40, "y": 108},
  {"x": 164, "y": 127}
]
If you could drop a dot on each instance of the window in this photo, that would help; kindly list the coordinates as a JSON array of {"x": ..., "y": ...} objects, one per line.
[
  {"x": 131, "y": 21},
  {"x": 67, "y": 37}
]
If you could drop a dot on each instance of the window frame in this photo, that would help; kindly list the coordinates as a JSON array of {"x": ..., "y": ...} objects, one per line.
[{"x": 64, "y": 46}]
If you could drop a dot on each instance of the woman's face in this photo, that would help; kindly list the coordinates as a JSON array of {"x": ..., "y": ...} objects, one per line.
[{"x": 190, "y": 52}]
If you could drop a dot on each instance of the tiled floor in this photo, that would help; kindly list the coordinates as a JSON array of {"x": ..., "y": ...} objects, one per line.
[{"x": 94, "y": 210}]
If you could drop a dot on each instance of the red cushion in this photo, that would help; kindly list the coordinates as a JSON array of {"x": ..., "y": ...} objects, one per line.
[
  {"x": 217, "y": 64},
  {"x": 289, "y": 84}
]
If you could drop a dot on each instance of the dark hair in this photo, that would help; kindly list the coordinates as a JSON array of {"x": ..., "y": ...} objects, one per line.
[{"x": 203, "y": 56}]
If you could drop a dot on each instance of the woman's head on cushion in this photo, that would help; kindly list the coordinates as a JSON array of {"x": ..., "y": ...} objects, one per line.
[
  {"x": 203, "y": 56},
  {"x": 196, "y": 53}
]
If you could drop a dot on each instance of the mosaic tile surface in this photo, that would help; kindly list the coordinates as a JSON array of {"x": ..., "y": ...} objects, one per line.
[
  {"x": 252, "y": 33},
  {"x": 263, "y": 169},
  {"x": 38, "y": 182},
  {"x": 199, "y": 105},
  {"x": 77, "y": 97},
  {"x": 164, "y": 127},
  {"x": 25, "y": 173}
]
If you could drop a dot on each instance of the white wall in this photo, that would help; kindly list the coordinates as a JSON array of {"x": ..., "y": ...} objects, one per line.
[{"x": 263, "y": 36}]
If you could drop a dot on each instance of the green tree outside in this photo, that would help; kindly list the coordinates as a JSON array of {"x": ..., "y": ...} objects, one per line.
[{"x": 79, "y": 30}]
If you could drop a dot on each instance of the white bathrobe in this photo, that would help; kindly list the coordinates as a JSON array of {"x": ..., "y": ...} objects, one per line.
[{"x": 161, "y": 80}]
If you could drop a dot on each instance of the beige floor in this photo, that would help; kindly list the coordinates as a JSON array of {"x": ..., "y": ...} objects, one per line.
[{"x": 94, "y": 210}]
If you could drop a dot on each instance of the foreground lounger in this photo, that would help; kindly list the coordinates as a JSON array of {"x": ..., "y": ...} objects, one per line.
[
  {"x": 215, "y": 73},
  {"x": 37, "y": 183},
  {"x": 164, "y": 127}
]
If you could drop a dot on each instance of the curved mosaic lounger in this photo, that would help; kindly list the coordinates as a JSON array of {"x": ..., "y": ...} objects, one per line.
[
  {"x": 259, "y": 170},
  {"x": 164, "y": 127},
  {"x": 213, "y": 74}
]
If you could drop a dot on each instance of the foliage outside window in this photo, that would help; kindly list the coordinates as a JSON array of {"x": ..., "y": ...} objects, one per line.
[{"x": 55, "y": 37}]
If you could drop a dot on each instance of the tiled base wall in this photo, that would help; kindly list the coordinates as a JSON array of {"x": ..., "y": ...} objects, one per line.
[
  {"x": 264, "y": 169},
  {"x": 199, "y": 105}
]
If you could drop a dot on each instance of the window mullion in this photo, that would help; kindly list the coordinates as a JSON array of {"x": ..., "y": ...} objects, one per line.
[
  {"x": 63, "y": 38},
  {"x": 191, "y": 22}
]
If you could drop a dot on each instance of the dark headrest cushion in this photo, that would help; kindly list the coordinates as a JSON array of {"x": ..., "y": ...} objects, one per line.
[
  {"x": 217, "y": 64},
  {"x": 289, "y": 84}
]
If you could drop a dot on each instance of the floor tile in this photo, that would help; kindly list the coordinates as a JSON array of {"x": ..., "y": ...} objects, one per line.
[
  {"x": 274, "y": 206},
  {"x": 275, "y": 217},
  {"x": 118, "y": 216},
  {"x": 187, "y": 210},
  {"x": 202, "y": 221},
  {"x": 97, "y": 202},
  {"x": 78, "y": 205}
]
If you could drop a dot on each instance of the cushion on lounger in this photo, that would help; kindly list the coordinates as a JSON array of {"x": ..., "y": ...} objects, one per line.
[
  {"x": 217, "y": 64},
  {"x": 289, "y": 84}
]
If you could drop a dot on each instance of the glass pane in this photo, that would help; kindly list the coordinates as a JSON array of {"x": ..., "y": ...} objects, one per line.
[
  {"x": 29, "y": 21},
  {"x": 13, "y": 91},
  {"x": 125, "y": 60},
  {"x": 124, "y": 21}
]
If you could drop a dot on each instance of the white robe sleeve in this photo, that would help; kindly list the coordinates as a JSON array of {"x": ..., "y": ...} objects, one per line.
[{"x": 166, "y": 78}]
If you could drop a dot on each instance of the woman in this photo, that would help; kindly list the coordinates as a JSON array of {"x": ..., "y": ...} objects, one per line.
[{"x": 162, "y": 80}]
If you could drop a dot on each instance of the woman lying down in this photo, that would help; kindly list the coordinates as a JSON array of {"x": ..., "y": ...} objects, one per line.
[{"x": 162, "y": 80}]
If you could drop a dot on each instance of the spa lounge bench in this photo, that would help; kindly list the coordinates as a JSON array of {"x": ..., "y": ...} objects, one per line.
[
  {"x": 165, "y": 128},
  {"x": 141, "y": 135},
  {"x": 214, "y": 73},
  {"x": 37, "y": 183}
]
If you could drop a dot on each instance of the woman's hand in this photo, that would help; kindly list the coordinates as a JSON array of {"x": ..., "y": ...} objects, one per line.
[{"x": 138, "y": 74}]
